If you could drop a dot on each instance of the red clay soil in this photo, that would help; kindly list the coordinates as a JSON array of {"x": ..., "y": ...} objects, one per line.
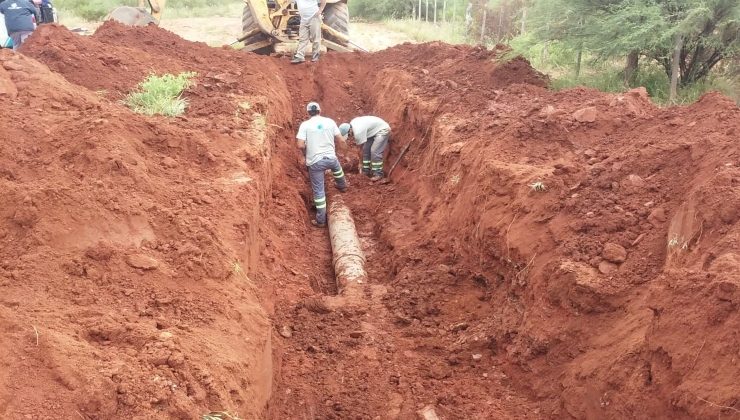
[{"x": 155, "y": 267}]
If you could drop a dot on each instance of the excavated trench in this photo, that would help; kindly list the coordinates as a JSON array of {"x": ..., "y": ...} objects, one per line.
[
  {"x": 358, "y": 350},
  {"x": 192, "y": 280}
]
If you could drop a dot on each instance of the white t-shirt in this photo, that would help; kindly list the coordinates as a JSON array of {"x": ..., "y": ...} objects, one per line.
[
  {"x": 307, "y": 8},
  {"x": 318, "y": 133},
  {"x": 367, "y": 127}
]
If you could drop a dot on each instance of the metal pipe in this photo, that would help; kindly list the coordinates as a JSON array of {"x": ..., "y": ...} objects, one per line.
[{"x": 349, "y": 259}]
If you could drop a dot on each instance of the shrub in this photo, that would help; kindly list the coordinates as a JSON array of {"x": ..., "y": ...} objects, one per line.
[{"x": 161, "y": 95}]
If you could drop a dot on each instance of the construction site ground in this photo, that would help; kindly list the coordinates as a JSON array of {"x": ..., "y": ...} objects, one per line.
[{"x": 536, "y": 255}]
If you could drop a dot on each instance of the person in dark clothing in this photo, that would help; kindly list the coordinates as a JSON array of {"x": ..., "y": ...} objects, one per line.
[{"x": 20, "y": 19}]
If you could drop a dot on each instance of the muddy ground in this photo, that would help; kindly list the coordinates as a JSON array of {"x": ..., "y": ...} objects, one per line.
[{"x": 165, "y": 268}]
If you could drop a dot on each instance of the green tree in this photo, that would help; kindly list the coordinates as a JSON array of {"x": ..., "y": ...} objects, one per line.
[{"x": 691, "y": 36}]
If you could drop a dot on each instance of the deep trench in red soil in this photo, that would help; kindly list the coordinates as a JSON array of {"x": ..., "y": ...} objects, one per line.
[{"x": 156, "y": 267}]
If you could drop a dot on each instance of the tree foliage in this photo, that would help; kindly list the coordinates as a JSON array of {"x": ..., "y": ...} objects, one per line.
[
  {"x": 709, "y": 30},
  {"x": 383, "y": 9}
]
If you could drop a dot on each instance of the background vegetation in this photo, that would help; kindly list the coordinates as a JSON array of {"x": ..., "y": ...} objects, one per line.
[
  {"x": 94, "y": 10},
  {"x": 677, "y": 49},
  {"x": 161, "y": 95}
]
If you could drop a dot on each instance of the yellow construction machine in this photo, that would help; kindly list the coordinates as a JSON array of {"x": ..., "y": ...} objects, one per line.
[{"x": 267, "y": 25}]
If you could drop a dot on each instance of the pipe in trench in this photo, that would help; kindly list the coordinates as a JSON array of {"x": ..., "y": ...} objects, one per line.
[{"x": 349, "y": 259}]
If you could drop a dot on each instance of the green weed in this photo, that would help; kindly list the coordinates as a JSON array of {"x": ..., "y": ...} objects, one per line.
[
  {"x": 220, "y": 415},
  {"x": 538, "y": 186},
  {"x": 161, "y": 95}
]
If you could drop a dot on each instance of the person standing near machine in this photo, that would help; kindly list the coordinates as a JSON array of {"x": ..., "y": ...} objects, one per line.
[{"x": 310, "y": 29}]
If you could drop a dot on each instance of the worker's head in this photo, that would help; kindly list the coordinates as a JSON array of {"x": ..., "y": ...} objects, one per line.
[
  {"x": 345, "y": 129},
  {"x": 313, "y": 109}
]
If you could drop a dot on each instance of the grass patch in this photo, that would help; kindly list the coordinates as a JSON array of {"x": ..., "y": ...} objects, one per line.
[
  {"x": 452, "y": 33},
  {"x": 79, "y": 11},
  {"x": 88, "y": 10},
  {"x": 161, "y": 95},
  {"x": 203, "y": 8},
  {"x": 608, "y": 78}
]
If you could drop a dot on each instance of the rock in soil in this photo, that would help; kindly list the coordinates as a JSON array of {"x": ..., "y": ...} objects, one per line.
[
  {"x": 141, "y": 261},
  {"x": 605, "y": 267},
  {"x": 286, "y": 331},
  {"x": 614, "y": 253}
]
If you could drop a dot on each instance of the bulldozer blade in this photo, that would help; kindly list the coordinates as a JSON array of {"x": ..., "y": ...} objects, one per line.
[
  {"x": 257, "y": 45},
  {"x": 331, "y": 45},
  {"x": 131, "y": 16}
]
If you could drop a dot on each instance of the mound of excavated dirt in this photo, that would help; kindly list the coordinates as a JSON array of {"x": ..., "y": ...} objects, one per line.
[
  {"x": 131, "y": 245},
  {"x": 155, "y": 267}
]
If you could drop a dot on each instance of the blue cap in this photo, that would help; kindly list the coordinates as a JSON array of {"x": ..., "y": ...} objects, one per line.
[{"x": 344, "y": 129}]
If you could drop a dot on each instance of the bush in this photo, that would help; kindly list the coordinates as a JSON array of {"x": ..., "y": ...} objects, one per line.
[
  {"x": 90, "y": 10},
  {"x": 161, "y": 95}
]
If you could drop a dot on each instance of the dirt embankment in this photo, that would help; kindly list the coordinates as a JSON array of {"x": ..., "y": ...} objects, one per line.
[
  {"x": 131, "y": 245},
  {"x": 150, "y": 266}
]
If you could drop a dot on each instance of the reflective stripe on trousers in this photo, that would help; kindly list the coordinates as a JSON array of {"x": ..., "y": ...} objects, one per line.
[
  {"x": 373, "y": 151},
  {"x": 316, "y": 174}
]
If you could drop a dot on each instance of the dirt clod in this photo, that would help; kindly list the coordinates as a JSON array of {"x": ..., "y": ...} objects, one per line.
[
  {"x": 614, "y": 253},
  {"x": 657, "y": 216},
  {"x": 142, "y": 261},
  {"x": 286, "y": 331},
  {"x": 606, "y": 267},
  {"x": 586, "y": 115}
]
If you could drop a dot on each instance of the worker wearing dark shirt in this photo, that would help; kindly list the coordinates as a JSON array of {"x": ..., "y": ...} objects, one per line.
[{"x": 20, "y": 19}]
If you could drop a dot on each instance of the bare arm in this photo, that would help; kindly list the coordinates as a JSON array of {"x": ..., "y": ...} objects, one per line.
[
  {"x": 302, "y": 146},
  {"x": 360, "y": 155},
  {"x": 341, "y": 142}
]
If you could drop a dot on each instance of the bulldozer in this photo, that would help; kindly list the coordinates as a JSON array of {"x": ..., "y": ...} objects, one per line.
[{"x": 267, "y": 25}]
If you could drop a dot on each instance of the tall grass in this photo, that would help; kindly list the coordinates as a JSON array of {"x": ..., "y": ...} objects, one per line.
[
  {"x": 88, "y": 10},
  {"x": 452, "y": 33},
  {"x": 203, "y": 8},
  {"x": 608, "y": 78},
  {"x": 96, "y": 10},
  {"x": 161, "y": 95},
  {"x": 606, "y": 75}
]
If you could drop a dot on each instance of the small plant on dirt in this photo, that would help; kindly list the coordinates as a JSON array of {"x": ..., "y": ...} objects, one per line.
[
  {"x": 673, "y": 242},
  {"x": 538, "y": 186},
  {"x": 676, "y": 242},
  {"x": 161, "y": 95},
  {"x": 260, "y": 122},
  {"x": 236, "y": 268},
  {"x": 241, "y": 109},
  {"x": 220, "y": 415}
]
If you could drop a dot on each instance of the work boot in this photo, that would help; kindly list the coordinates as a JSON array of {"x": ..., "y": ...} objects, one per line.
[
  {"x": 367, "y": 172},
  {"x": 376, "y": 177},
  {"x": 297, "y": 60},
  {"x": 315, "y": 59},
  {"x": 317, "y": 224}
]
